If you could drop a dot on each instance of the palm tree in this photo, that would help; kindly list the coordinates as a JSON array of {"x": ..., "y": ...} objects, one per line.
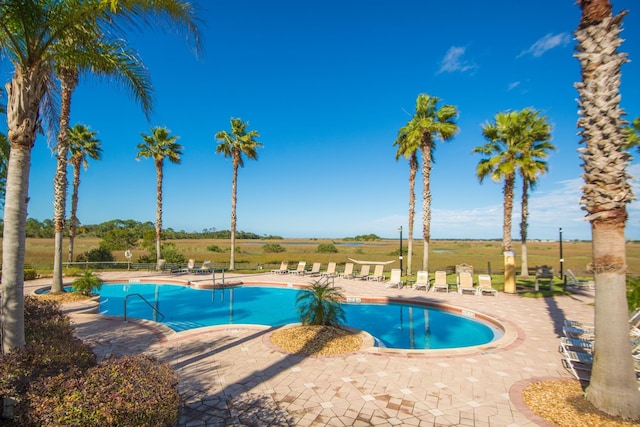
[
  {"x": 632, "y": 133},
  {"x": 105, "y": 58},
  {"x": 159, "y": 146},
  {"x": 605, "y": 195},
  {"x": 411, "y": 153},
  {"x": 28, "y": 34},
  {"x": 320, "y": 305},
  {"x": 536, "y": 133},
  {"x": 428, "y": 123},
  {"x": 504, "y": 147},
  {"x": 234, "y": 145},
  {"x": 82, "y": 144}
]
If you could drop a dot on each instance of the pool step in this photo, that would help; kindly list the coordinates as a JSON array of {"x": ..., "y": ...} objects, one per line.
[{"x": 183, "y": 326}]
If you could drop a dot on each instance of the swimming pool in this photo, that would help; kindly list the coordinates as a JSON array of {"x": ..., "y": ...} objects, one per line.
[{"x": 394, "y": 325}]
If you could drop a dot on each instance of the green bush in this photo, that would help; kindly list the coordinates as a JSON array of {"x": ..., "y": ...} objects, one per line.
[
  {"x": 633, "y": 292},
  {"x": 214, "y": 248},
  {"x": 87, "y": 283},
  {"x": 168, "y": 251},
  {"x": 131, "y": 391},
  {"x": 96, "y": 255},
  {"x": 327, "y": 248},
  {"x": 272, "y": 248},
  {"x": 30, "y": 275}
]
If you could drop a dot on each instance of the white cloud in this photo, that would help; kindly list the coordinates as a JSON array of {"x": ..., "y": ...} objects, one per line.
[
  {"x": 513, "y": 85},
  {"x": 453, "y": 61},
  {"x": 546, "y": 43}
]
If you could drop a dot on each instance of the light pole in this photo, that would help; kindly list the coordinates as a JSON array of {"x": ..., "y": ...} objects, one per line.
[
  {"x": 561, "y": 258},
  {"x": 400, "y": 230}
]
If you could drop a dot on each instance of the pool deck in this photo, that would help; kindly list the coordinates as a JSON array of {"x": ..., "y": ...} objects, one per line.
[{"x": 233, "y": 376}]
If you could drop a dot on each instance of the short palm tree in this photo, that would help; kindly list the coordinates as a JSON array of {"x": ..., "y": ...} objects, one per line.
[
  {"x": 410, "y": 152},
  {"x": 605, "y": 194},
  {"x": 429, "y": 123},
  {"x": 234, "y": 145},
  {"x": 531, "y": 164},
  {"x": 159, "y": 145},
  {"x": 83, "y": 144},
  {"x": 87, "y": 283},
  {"x": 320, "y": 305}
]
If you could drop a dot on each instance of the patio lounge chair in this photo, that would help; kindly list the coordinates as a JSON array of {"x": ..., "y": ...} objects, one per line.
[
  {"x": 300, "y": 269},
  {"x": 191, "y": 264},
  {"x": 440, "y": 282},
  {"x": 575, "y": 344},
  {"x": 205, "y": 268},
  {"x": 283, "y": 268},
  {"x": 579, "y": 363},
  {"x": 484, "y": 285},
  {"x": 422, "y": 281},
  {"x": 331, "y": 270},
  {"x": 575, "y": 283},
  {"x": 364, "y": 272},
  {"x": 395, "y": 281},
  {"x": 377, "y": 273},
  {"x": 465, "y": 283},
  {"x": 348, "y": 271},
  {"x": 580, "y": 333},
  {"x": 315, "y": 269}
]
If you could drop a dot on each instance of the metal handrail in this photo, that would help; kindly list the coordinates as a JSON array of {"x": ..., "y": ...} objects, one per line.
[{"x": 143, "y": 299}]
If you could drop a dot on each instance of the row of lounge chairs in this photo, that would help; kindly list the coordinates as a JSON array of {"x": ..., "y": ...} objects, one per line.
[
  {"x": 204, "y": 268},
  {"x": 578, "y": 344},
  {"x": 348, "y": 273},
  {"x": 464, "y": 283}
]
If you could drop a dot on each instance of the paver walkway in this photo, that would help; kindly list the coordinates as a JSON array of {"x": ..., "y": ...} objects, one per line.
[{"x": 233, "y": 376}]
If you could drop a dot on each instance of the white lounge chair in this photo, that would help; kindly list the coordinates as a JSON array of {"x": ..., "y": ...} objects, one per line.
[
  {"x": 331, "y": 270},
  {"x": 378, "y": 273},
  {"x": 422, "y": 281},
  {"x": 465, "y": 283},
  {"x": 300, "y": 269},
  {"x": 348, "y": 271},
  {"x": 580, "y": 333},
  {"x": 315, "y": 269},
  {"x": 283, "y": 268},
  {"x": 484, "y": 285},
  {"x": 574, "y": 282},
  {"x": 205, "y": 268},
  {"x": 395, "y": 281},
  {"x": 440, "y": 281},
  {"x": 578, "y": 363},
  {"x": 364, "y": 272},
  {"x": 191, "y": 264}
]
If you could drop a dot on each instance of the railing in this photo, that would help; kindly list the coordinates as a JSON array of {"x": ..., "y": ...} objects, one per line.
[{"x": 143, "y": 299}]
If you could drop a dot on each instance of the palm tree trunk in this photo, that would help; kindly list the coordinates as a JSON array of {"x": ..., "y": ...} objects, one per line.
[
  {"x": 74, "y": 208},
  {"x": 158, "y": 208},
  {"x": 613, "y": 387},
  {"x": 68, "y": 79},
  {"x": 413, "y": 169},
  {"x": 508, "y": 211},
  {"x": 426, "y": 201},
  {"x": 524, "y": 267},
  {"x": 234, "y": 189},
  {"x": 24, "y": 93}
]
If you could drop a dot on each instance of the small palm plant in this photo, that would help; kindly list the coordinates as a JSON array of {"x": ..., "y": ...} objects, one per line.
[
  {"x": 87, "y": 283},
  {"x": 320, "y": 305}
]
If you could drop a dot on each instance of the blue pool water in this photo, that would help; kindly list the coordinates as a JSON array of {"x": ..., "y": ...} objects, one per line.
[{"x": 394, "y": 325}]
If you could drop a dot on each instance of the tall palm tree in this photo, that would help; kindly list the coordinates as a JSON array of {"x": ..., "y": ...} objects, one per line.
[
  {"x": 605, "y": 195},
  {"x": 410, "y": 152},
  {"x": 234, "y": 145},
  {"x": 536, "y": 134},
  {"x": 504, "y": 146},
  {"x": 83, "y": 144},
  {"x": 429, "y": 123},
  {"x": 102, "y": 58},
  {"x": 28, "y": 32},
  {"x": 159, "y": 146}
]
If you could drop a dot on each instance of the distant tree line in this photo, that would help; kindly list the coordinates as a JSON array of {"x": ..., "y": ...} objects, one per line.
[{"x": 134, "y": 230}]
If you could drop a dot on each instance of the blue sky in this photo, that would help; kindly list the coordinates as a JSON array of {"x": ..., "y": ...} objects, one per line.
[{"x": 327, "y": 84}]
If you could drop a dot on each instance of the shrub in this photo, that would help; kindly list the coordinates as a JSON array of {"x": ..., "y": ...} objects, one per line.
[
  {"x": 214, "y": 248},
  {"x": 271, "y": 248},
  {"x": 30, "y": 274},
  {"x": 96, "y": 255},
  {"x": 168, "y": 251},
  {"x": 131, "y": 391},
  {"x": 633, "y": 292},
  {"x": 327, "y": 248},
  {"x": 87, "y": 283}
]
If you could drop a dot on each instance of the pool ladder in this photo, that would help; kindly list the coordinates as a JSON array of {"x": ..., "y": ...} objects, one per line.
[{"x": 155, "y": 309}]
